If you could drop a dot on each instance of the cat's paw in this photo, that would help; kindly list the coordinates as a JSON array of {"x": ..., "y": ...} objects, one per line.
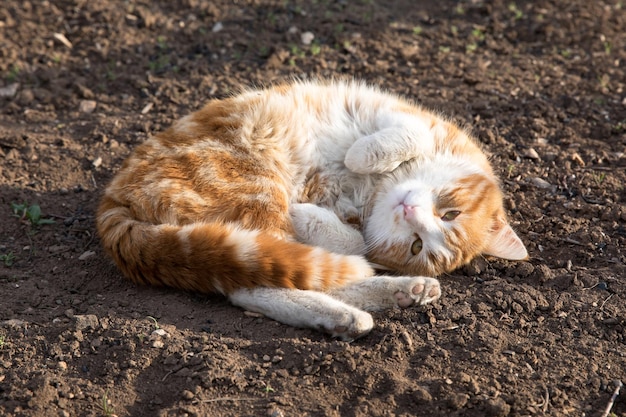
[
  {"x": 367, "y": 156},
  {"x": 417, "y": 290},
  {"x": 321, "y": 227},
  {"x": 352, "y": 325}
]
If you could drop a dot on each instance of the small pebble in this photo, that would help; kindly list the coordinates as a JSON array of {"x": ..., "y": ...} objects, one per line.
[
  {"x": 306, "y": 38},
  {"x": 531, "y": 153},
  {"x": 10, "y": 90},
  {"x": 421, "y": 395},
  {"x": 86, "y": 255},
  {"x": 160, "y": 332},
  {"x": 87, "y": 106},
  {"x": 457, "y": 401},
  {"x": 188, "y": 395},
  {"x": 158, "y": 344},
  {"x": 540, "y": 183},
  {"x": 62, "y": 365}
]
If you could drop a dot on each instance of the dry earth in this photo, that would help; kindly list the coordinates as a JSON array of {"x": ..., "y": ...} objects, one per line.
[{"x": 542, "y": 84}]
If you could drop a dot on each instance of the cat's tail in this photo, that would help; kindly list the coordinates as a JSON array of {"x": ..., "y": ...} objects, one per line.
[{"x": 214, "y": 257}]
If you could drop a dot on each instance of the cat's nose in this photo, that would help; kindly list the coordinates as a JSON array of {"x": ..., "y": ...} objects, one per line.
[{"x": 409, "y": 211}]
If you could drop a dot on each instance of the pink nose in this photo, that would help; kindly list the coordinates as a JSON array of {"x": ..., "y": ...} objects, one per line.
[{"x": 409, "y": 211}]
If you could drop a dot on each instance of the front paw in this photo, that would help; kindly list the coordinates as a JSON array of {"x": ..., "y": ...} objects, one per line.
[{"x": 417, "y": 290}]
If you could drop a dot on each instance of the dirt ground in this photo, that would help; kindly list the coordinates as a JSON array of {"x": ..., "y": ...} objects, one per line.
[{"x": 542, "y": 84}]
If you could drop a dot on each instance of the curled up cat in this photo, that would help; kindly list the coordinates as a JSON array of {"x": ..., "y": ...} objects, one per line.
[{"x": 287, "y": 199}]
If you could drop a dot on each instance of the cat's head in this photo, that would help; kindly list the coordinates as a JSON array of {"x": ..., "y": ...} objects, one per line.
[{"x": 431, "y": 217}]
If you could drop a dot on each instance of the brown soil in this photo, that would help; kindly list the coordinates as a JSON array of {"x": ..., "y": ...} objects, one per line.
[{"x": 541, "y": 83}]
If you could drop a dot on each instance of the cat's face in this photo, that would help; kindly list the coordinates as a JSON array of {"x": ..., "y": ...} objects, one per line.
[{"x": 433, "y": 217}]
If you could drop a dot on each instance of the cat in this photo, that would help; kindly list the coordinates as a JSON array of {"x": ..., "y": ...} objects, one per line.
[{"x": 286, "y": 199}]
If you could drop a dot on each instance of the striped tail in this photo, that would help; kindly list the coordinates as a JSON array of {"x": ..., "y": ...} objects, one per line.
[{"x": 215, "y": 257}]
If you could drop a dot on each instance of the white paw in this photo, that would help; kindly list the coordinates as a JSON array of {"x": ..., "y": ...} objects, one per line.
[
  {"x": 417, "y": 290},
  {"x": 318, "y": 226},
  {"x": 352, "y": 325}
]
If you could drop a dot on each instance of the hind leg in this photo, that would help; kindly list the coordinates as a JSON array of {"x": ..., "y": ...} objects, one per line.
[{"x": 303, "y": 308}]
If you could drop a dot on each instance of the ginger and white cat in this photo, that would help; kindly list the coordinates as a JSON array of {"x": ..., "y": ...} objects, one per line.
[{"x": 284, "y": 199}]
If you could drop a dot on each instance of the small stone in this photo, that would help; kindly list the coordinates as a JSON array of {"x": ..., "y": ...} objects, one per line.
[
  {"x": 275, "y": 412},
  {"x": 421, "y": 395},
  {"x": 87, "y": 106},
  {"x": 97, "y": 162},
  {"x": 86, "y": 255},
  {"x": 160, "y": 333},
  {"x": 64, "y": 413},
  {"x": 497, "y": 407},
  {"x": 188, "y": 395},
  {"x": 457, "y": 401},
  {"x": 276, "y": 359},
  {"x": 531, "y": 153},
  {"x": 266, "y": 358},
  {"x": 62, "y": 365},
  {"x": 217, "y": 27},
  {"x": 86, "y": 321},
  {"x": 540, "y": 183},
  {"x": 306, "y": 38},
  {"x": 10, "y": 90},
  {"x": 158, "y": 344}
]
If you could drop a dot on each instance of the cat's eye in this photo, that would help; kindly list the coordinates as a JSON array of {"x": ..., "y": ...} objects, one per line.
[
  {"x": 416, "y": 246},
  {"x": 450, "y": 215}
]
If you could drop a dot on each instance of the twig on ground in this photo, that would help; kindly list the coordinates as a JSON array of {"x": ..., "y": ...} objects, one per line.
[
  {"x": 546, "y": 401},
  {"x": 618, "y": 386},
  {"x": 604, "y": 302},
  {"x": 213, "y": 400}
]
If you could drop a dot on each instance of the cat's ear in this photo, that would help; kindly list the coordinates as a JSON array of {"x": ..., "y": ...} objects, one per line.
[{"x": 504, "y": 243}]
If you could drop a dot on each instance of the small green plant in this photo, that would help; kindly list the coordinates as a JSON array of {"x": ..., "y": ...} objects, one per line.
[
  {"x": 471, "y": 47},
  {"x": 8, "y": 258},
  {"x": 267, "y": 388},
  {"x": 454, "y": 30},
  {"x": 162, "y": 59},
  {"x": 13, "y": 73},
  {"x": 599, "y": 178},
  {"x": 607, "y": 47},
  {"x": 315, "y": 49},
  {"x": 510, "y": 170},
  {"x": 417, "y": 30},
  {"x": 156, "y": 323},
  {"x": 620, "y": 127},
  {"x": 30, "y": 213},
  {"x": 105, "y": 405},
  {"x": 444, "y": 49},
  {"x": 459, "y": 10},
  {"x": 111, "y": 76},
  {"x": 478, "y": 34},
  {"x": 516, "y": 11},
  {"x": 297, "y": 52}
]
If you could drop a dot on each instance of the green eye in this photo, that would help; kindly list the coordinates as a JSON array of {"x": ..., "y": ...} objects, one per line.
[
  {"x": 416, "y": 246},
  {"x": 450, "y": 215}
]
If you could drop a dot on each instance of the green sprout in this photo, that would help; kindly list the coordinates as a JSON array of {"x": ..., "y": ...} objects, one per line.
[{"x": 31, "y": 213}]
